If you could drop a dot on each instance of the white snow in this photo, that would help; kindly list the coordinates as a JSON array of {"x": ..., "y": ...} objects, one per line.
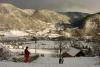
[
  {"x": 1, "y": 45},
  {"x": 48, "y": 60},
  {"x": 28, "y": 11},
  {"x": 73, "y": 51},
  {"x": 14, "y": 33}
]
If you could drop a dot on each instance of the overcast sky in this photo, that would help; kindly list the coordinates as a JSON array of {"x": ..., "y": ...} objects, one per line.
[{"x": 88, "y": 6}]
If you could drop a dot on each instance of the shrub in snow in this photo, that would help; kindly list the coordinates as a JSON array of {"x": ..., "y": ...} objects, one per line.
[{"x": 21, "y": 59}]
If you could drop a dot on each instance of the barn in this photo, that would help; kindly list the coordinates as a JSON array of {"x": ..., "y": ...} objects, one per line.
[{"x": 73, "y": 52}]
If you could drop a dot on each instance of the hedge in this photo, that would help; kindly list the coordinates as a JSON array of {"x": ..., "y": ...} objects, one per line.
[{"x": 21, "y": 59}]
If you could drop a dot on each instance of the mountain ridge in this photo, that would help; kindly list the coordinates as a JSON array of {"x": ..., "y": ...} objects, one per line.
[{"x": 47, "y": 21}]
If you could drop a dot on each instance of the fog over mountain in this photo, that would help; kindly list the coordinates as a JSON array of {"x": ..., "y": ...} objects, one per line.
[{"x": 86, "y": 6}]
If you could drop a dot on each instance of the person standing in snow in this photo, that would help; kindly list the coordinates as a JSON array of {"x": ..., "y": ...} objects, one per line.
[
  {"x": 26, "y": 54},
  {"x": 59, "y": 60},
  {"x": 62, "y": 60}
]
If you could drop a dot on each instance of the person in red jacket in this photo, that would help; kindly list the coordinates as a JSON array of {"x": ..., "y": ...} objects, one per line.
[{"x": 26, "y": 54}]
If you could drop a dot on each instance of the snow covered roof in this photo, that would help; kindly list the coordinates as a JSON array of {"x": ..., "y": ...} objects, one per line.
[
  {"x": 1, "y": 45},
  {"x": 54, "y": 35},
  {"x": 73, "y": 51}
]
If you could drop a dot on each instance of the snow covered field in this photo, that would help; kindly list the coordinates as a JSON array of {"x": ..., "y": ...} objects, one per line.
[
  {"x": 48, "y": 61},
  {"x": 68, "y": 62}
]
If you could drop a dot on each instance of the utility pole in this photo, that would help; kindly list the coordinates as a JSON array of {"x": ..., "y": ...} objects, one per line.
[
  {"x": 35, "y": 45},
  {"x": 34, "y": 39}
]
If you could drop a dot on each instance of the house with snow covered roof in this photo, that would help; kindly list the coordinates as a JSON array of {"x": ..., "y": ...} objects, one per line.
[{"x": 73, "y": 52}]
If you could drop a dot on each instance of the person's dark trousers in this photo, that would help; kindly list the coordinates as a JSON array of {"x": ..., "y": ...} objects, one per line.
[
  {"x": 59, "y": 61},
  {"x": 62, "y": 62}
]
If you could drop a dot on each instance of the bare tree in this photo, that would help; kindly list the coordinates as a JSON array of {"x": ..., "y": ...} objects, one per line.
[
  {"x": 73, "y": 42},
  {"x": 56, "y": 51},
  {"x": 61, "y": 42}
]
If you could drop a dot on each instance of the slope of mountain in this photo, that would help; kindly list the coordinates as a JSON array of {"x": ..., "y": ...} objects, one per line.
[
  {"x": 16, "y": 18},
  {"x": 12, "y": 17},
  {"x": 91, "y": 24},
  {"x": 45, "y": 21},
  {"x": 75, "y": 17},
  {"x": 28, "y": 11}
]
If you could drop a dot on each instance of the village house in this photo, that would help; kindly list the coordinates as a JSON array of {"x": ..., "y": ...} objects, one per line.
[{"x": 73, "y": 52}]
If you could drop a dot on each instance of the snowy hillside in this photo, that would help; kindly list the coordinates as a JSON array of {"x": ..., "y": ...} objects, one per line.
[
  {"x": 13, "y": 33},
  {"x": 28, "y": 11},
  {"x": 37, "y": 20}
]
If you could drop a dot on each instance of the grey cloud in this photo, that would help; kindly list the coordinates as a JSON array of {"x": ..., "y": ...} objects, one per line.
[{"x": 90, "y": 6}]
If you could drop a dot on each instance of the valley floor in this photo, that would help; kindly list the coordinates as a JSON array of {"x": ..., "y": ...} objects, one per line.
[{"x": 48, "y": 61}]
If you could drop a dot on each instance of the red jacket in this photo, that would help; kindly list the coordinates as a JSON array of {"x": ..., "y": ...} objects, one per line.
[{"x": 26, "y": 53}]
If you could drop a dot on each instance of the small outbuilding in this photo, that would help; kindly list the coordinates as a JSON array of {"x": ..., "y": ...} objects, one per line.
[{"x": 73, "y": 52}]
